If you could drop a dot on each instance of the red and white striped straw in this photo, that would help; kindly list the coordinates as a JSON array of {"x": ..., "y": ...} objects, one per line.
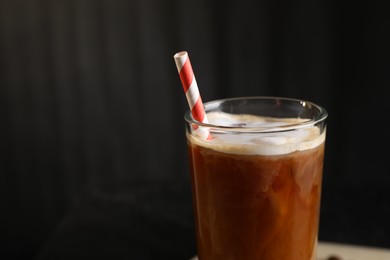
[{"x": 191, "y": 90}]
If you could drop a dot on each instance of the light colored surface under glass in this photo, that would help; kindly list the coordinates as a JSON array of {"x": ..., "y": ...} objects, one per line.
[{"x": 347, "y": 252}]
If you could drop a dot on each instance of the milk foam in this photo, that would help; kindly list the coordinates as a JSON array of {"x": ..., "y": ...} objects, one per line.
[{"x": 254, "y": 143}]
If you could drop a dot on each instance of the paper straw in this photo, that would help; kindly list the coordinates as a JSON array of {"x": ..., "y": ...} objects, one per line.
[{"x": 191, "y": 91}]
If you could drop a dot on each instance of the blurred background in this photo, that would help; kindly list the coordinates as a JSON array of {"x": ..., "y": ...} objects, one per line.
[{"x": 93, "y": 156}]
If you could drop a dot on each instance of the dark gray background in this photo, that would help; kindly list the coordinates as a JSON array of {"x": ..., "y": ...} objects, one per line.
[{"x": 93, "y": 156}]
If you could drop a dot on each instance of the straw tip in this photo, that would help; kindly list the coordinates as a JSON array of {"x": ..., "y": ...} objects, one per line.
[{"x": 180, "y": 54}]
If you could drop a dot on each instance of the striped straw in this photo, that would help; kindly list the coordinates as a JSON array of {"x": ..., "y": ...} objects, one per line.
[{"x": 191, "y": 90}]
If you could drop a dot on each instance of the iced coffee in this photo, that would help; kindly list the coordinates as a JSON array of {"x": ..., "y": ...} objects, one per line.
[{"x": 257, "y": 182}]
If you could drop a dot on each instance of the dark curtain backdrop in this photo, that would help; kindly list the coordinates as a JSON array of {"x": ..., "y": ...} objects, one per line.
[{"x": 90, "y": 100}]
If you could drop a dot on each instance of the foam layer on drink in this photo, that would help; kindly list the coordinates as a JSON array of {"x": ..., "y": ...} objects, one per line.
[{"x": 255, "y": 143}]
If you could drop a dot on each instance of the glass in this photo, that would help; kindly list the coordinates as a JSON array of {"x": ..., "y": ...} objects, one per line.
[{"x": 256, "y": 183}]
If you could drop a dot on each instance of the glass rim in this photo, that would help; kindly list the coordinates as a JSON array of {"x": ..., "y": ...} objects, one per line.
[{"x": 322, "y": 115}]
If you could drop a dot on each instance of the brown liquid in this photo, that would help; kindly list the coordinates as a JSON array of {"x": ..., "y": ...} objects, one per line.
[{"x": 256, "y": 207}]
